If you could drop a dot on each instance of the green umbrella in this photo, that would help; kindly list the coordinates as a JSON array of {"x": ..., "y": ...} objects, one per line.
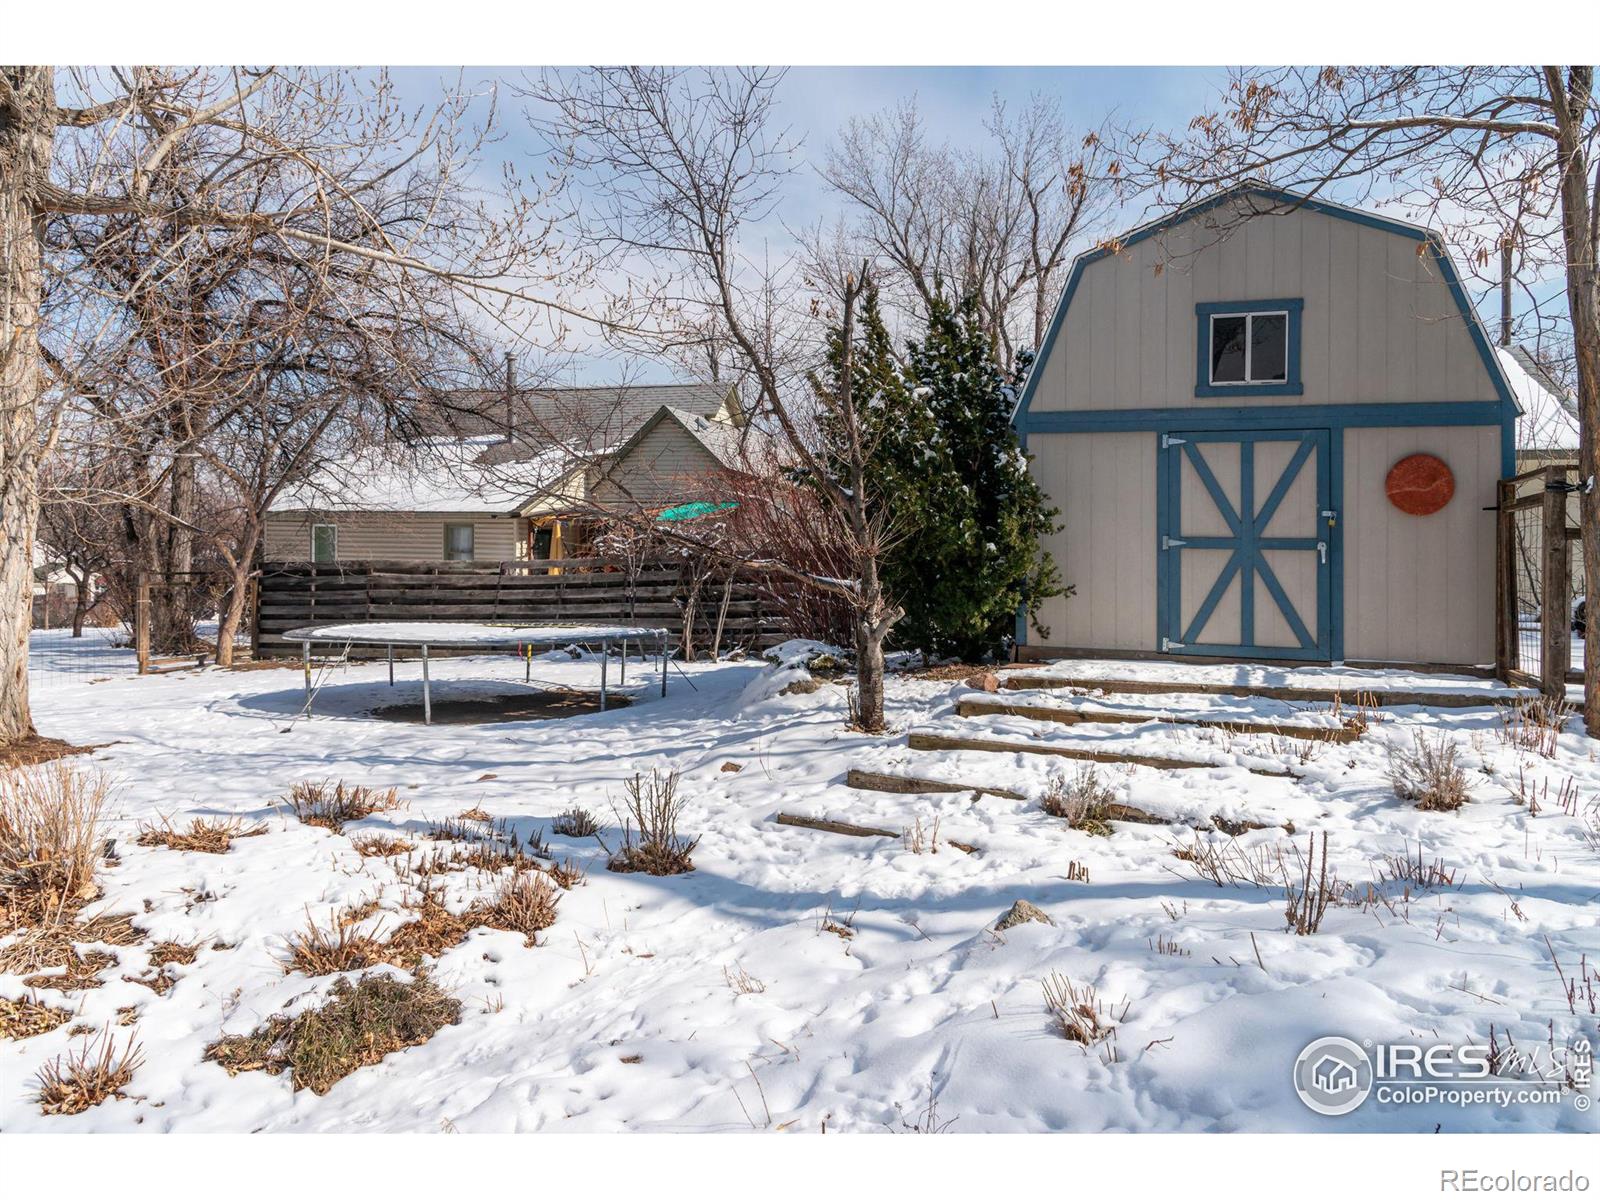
[{"x": 696, "y": 508}]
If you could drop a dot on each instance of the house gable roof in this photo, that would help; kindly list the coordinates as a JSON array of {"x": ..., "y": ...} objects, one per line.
[{"x": 1276, "y": 201}]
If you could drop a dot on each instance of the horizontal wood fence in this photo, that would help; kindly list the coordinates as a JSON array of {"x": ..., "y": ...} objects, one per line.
[{"x": 591, "y": 590}]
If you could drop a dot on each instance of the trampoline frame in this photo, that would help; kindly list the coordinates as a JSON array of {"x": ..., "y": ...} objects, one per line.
[{"x": 523, "y": 637}]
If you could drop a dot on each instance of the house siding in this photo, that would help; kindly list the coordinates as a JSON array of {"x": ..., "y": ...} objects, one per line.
[
  {"x": 398, "y": 535},
  {"x": 665, "y": 466}
]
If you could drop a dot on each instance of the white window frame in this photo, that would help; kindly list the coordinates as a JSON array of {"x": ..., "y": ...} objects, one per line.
[
  {"x": 472, "y": 552},
  {"x": 1250, "y": 316},
  {"x": 324, "y": 525}
]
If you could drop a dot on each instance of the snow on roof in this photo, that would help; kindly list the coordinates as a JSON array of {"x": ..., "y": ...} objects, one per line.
[
  {"x": 441, "y": 475},
  {"x": 1549, "y": 419}
]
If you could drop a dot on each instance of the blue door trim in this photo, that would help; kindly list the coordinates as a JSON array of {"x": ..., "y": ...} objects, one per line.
[{"x": 1247, "y": 561}]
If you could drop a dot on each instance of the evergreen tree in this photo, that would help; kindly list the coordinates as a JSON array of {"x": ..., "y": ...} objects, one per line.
[{"x": 971, "y": 517}]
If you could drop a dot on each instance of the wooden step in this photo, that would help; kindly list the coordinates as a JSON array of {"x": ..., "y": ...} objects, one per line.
[
  {"x": 876, "y": 781},
  {"x": 1388, "y": 698},
  {"x": 974, "y": 707},
  {"x": 940, "y": 741}
]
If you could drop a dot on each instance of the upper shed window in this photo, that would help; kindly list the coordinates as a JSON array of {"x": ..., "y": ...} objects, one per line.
[{"x": 1249, "y": 347}]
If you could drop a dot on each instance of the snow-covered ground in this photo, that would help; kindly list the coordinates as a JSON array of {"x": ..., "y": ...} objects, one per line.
[{"x": 628, "y": 1017}]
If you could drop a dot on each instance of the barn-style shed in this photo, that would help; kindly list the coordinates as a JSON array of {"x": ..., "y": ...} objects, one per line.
[{"x": 1273, "y": 426}]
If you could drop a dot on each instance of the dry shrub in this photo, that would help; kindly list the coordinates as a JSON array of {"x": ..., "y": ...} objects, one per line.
[
  {"x": 76, "y": 1082},
  {"x": 1079, "y": 1013},
  {"x": 1428, "y": 774},
  {"x": 919, "y": 838},
  {"x": 360, "y": 1025},
  {"x": 476, "y": 814},
  {"x": 50, "y": 839},
  {"x": 1082, "y": 801},
  {"x": 318, "y": 951},
  {"x": 1306, "y": 901},
  {"x": 577, "y": 822},
  {"x": 650, "y": 839},
  {"x": 204, "y": 835},
  {"x": 1415, "y": 872},
  {"x": 376, "y": 845},
  {"x": 451, "y": 829},
  {"x": 26, "y": 1018},
  {"x": 1227, "y": 864},
  {"x": 330, "y": 804},
  {"x": 521, "y": 904},
  {"x": 1535, "y": 723}
]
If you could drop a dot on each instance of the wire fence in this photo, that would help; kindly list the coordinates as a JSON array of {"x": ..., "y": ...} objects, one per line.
[{"x": 56, "y": 659}]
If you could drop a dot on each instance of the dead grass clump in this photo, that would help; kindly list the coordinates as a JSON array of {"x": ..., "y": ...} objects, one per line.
[
  {"x": 919, "y": 838},
  {"x": 741, "y": 982},
  {"x": 76, "y": 1082},
  {"x": 42, "y": 947},
  {"x": 650, "y": 839},
  {"x": 432, "y": 931},
  {"x": 565, "y": 874},
  {"x": 50, "y": 839},
  {"x": 1428, "y": 774},
  {"x": 1082, "y": 801},
  {"x": 521, "y": 904},
  {"x": 476, "y": 814},
  {"x": 82, "y": 972},
  {"x": 376, "y": 845},
  {"x": 204, "y": 835},
  {"x": 451, "y": 829},
  {"x": 319, "y": 951},
  {"x": 330, "y": 804},
  {"x": 182, "y": 953},
  {"x": 1535, "y": 723},
  {"x": 576, "y": 822},
  {"x": 1080, "y": 1015},
  {"x": 26, "y": 1018},
  {"x": 360, "y": 1025}
]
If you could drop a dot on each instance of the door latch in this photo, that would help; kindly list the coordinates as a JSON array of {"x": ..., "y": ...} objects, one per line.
[
  {"x": 1322, "y": 551},
  {"x": 1331, "y": 516}
]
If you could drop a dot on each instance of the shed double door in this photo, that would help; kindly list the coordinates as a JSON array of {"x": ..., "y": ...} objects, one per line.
[{"x": 1244, "y": 551}]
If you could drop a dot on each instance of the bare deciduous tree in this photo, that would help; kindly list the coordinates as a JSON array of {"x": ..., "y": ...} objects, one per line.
[
  {"x": 1000, "y": 226},
  {"x": 154, "y": 160}
]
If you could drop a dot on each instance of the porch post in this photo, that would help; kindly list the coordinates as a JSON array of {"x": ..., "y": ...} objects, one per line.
[{"x": 1556, "y": 617}]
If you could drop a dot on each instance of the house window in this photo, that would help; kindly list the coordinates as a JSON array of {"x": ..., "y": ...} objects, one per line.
[
  {"x": 1249, "y": 348},
  {"x": 324, "y": 543},
  {"x": 458, "y": 542}
]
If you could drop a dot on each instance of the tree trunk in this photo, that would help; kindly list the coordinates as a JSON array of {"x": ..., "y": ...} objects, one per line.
[
  {"x": 27, "y": 127},
  {"x": 869, "y": 675},
  {"x": 80, "y": 607}
]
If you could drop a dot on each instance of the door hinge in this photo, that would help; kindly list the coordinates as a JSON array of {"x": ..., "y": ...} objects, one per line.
[
  {"x": 1167, "y": 543},
  {"x": 1169, "y": 644},
  {"x": 1168, "y": 441}
]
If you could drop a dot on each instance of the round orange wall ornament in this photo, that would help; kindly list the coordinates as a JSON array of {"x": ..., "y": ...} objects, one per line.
[{"x": 1420, "y": 484}]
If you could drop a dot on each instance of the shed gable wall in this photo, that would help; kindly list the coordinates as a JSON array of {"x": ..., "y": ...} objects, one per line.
[{"x": 1380, "y": 323}]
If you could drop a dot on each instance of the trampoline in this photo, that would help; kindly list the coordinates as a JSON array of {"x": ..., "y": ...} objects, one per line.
[{"x": 453, "y": 635}]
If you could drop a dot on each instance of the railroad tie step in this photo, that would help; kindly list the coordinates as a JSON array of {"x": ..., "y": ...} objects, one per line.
[
  {"x": 1346, "y": 731},
  {"x": 939, "y": 741}
]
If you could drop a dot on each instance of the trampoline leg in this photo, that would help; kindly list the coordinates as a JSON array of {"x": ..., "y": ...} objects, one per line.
[
  {"x": 391, "y": 666},
  {"x": 427, "y": 700},
  {"x": 305, "y": 662},
  {"x": 605, "y": 662},
  {"x": 527, "y": 676},
  {"x": 622, "y": 664},
  {"x": 663, "y": 664}
]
